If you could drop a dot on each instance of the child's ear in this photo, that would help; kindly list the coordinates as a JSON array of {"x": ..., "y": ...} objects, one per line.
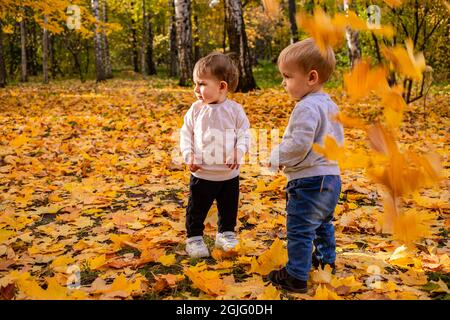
[
  {"x": 313, "y": 77},
  {"x": 223, "y": 85}
]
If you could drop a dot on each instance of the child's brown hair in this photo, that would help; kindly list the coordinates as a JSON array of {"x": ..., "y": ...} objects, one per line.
[
  {"x": 221, "y": 66},
  {"x": 307, "y": 56}
]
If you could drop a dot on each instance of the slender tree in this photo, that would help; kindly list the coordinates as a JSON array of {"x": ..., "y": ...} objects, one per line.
[
  {"x": 23, "y": 46},
  {"x": 45, "y": 51},
  {"x": 184, "y": 37},
  {"x": 173, "y": 47},
  {"x": 144, "y": 39},
  {"x": 100, "y": 72},
  {"x": 2, "y": 60},
  {"x": 149, "y": 57},
  {"x": 105, "y": 43},
  {"x": 238, "y": 44},
  {"x": 292, "y": 21},
  {"x": 352, "y": 38}
]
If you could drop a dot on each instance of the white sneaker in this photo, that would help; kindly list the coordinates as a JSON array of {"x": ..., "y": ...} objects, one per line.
[
  {"x": 226, "y": 241},
  {"x": 196, "y": 247}
]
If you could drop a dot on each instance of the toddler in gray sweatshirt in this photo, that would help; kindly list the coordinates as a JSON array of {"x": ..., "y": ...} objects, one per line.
[{"x": 314, "y": 182}]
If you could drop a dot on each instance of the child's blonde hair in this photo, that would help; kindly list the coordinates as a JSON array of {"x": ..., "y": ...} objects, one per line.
[
  {"x": 307, "y": 56},
  {"x": 221, "y": 66}
]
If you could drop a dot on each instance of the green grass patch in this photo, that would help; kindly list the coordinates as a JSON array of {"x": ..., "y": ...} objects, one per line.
[{"x": 267, "y": 75}]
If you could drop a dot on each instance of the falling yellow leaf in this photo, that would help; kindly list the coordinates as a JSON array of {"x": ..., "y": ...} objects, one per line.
[
  {"x": 331, "y": 150},
  {"x": 272, "y": 7},
  {"x": 405, "y": 61},
  {"x": 411, "y": 225},
  {"x": 349, "y": 121},
  {"x": 321, "y": 29},
  {"x": 394, "y": 105},
  {"x": 362, "y": 79}
]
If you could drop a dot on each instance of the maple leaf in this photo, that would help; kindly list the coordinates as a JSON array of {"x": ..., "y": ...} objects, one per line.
[
  {"x": 394, "y": 3},
  {"x": 270, "y": 293},
  {"x": 401, "y": 173},
  {"x": 402, "y": 257},
  {"x": 394, "y": 104},
  {"x": 349, "y": 122},
  {"x": 331, "y": 150},
  {"x": 321, "y": 29},
  {"x": 167, "y": 260},
  {"x": 167, "y": 280},
  {"x": 272, "y": 7},
  {"x": 413, "y": 278},
  {"x": 411, "y": 225},
  {"x": 322, "y": 275},
  {"x": 274, "y": 257},
  {"x": 5, "y": 235},
  {"x": 323, "y": 293},
  {"x": 207, "y": 281},
  {"x": 344, "y": 286},
  {"x": 405, "y": 61},
  {"x": 97, "y": 262},
  {"x": 363, "y": 79}
]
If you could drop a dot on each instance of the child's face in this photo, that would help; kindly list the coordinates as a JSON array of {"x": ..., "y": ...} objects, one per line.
[
  {"x": 209, "y": 89},
  {"x": 296, "y": 82}
]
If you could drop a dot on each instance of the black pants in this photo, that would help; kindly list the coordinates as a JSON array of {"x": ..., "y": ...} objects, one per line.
[{"x": 202, "y": 194}]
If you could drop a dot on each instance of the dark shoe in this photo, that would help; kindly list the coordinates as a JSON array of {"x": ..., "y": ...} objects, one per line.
[
  {"x": 316, "y": 263},
  {"x": 283, "y": 279}
]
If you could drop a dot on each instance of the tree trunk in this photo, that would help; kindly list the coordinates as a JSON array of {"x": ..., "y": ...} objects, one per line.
[
  {"x": 239, "y": 45},
  {"x": 354, "y": 50},
  {"x": 45, "y": 51},
  {"x": 32, "y": 48},
  {"x": 144, "y": 38},
  {"x": 106, "y": 55},
  {"x": 150, "y": 62},
  {"x": 292, "y": 20},
  {"x": 173, "y": 63},
  {"x": 134, "y": 46},
  {"x": 51, "y": 56},
  {"x": 100, "y": 73},
  {"x": 23, "y": 45},
  {"x": 196, "y": 38},
  {"x": 2, "y": 60},
  {"x": 184, "y": 37},
  {"x": 352, "y": 37}
]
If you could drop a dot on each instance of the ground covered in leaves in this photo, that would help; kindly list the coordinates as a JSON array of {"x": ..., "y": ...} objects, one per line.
[{"x": 93, "y": 197}]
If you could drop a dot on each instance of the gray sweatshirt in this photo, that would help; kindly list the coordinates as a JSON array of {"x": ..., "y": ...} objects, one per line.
[{"x": 310, "y": 122}]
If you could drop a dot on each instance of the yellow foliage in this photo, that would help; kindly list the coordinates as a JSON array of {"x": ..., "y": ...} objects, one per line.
[
  {"x": 323, "y": 293},
  {"x": 207, "y": 281},
  {"x": 405, "y": 61},
  {"x": 320, "y": 27},
  {"x": 274, "y": 257}
]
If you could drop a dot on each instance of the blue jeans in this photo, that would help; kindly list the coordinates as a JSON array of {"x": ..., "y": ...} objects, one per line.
[{"x": 310, "y": 207}]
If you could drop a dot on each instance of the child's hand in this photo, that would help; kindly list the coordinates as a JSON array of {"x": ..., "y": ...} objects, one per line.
[
  {"x": 269, "y": 165},
  {"x": 233, "y": 159},
  {"x": 192, "y": 166}
]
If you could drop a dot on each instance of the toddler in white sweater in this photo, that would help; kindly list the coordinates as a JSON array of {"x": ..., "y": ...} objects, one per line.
[{"x": 214, "y": 138}]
